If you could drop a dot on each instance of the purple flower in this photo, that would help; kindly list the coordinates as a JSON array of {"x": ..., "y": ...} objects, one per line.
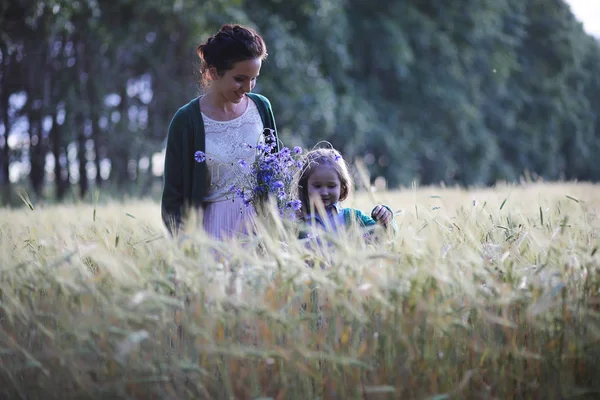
[
  {"x": 295, "y": 204},
  {"x": 199, "y": 156},
  {"x": 337, "y": 157},
  {"x": 261, "y": 147},
  {"x": 272, "y": 173}
]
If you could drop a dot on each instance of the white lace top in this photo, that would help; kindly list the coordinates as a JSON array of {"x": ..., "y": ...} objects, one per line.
[{"x": 226, "y": 144}]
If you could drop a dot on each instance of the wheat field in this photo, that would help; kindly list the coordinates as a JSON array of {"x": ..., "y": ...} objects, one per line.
[{"x": 484, "y": 294}]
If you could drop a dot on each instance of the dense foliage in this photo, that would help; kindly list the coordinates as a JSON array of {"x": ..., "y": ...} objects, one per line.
[{"x": 461, "y": 92}]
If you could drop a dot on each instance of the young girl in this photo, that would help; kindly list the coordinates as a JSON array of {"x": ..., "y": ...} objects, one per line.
[{"x": 325, "y": 182}]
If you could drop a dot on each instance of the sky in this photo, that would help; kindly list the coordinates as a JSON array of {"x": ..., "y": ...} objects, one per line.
[{"x": 588, "y": 12}]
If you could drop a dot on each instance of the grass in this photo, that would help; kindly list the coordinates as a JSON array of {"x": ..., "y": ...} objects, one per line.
[{"x": 484, "y": 294}]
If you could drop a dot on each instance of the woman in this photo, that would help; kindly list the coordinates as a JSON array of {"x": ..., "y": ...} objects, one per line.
[{"x": 210, "y": 135}]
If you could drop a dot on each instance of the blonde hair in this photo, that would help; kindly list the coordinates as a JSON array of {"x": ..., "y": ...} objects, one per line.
[{"x": 317, "y": 158}]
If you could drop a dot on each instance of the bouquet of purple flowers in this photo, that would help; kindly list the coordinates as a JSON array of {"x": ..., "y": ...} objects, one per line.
[{"x": 272, "y": 174}]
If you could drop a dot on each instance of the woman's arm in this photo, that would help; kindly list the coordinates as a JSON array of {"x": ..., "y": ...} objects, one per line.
[{"x": 172, "y": 201}]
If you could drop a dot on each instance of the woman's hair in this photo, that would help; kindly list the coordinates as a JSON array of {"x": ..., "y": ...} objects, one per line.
[
  {"x": 231, "y": 44},
  {"x": 315, "y": 159}
]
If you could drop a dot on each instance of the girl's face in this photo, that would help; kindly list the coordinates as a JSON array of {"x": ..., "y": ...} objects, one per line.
[
  {"x": 236, "y": 82},
  {"x": 324, "y": 185}
]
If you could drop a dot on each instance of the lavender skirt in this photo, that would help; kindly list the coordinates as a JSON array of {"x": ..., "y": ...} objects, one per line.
[{"x": 228, "y": 219}]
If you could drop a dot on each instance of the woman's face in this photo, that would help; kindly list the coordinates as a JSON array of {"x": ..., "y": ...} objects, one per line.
[{"x": 238, "y": 81}]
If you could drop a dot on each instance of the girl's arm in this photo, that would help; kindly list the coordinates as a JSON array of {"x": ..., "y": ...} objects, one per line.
[
  {"x": 365, "y": 220},
  {"x": 384, "y": 216}
]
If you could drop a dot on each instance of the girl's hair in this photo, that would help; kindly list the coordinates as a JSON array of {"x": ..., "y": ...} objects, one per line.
[
  {"x": 231, "y": 44},
  {"x": 313, "y": 160}
]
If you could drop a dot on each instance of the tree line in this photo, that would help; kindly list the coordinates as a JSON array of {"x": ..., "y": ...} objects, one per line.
[{"x": 461, "y": 92}]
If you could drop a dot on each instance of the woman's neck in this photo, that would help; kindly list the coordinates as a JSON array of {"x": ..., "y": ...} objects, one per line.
[{"x": 215, "y": 102}]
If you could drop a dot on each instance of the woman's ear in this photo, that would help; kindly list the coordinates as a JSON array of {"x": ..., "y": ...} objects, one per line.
[{"x": 212, "y": 72}]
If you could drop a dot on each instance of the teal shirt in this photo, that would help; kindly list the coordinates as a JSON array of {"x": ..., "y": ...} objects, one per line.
[
  {"x": 184, "y": 179},
  {"x": 344, "y": 217}
]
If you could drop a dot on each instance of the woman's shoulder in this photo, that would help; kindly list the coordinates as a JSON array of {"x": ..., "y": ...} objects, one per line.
[
  {"x": 184, "y": 120},
  {"x": 186, "y": 112},
  {"x": 191, "y": 106},
  {"x": 259, "y": 99},
  {"x": 257, "y": 96}
]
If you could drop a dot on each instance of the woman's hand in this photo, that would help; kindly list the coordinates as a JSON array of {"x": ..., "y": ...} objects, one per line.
[{"x": 382, "y": 215}]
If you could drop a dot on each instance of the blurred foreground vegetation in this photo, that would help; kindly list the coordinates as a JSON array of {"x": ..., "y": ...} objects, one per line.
[{"x": 484, "y": 294}]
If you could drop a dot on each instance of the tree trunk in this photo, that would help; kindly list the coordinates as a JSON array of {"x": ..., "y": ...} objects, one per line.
[
  {"x": 120, "y": 145},
  {"x": 35, "y": 112},
  {"x": 56, "y": 139},
  {"x": 81, "y": 139},
  {"x": 5, "y": 153},
  {"x": 80, "y": 114},
  {"x": 93, "y": 103},
  {"x": 96, "y": 141},
  {"x": 36, "y": 145},
  {"x": 67, "y": 166}
]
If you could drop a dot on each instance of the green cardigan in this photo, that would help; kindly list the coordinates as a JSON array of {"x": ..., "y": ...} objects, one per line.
[{"x": 185, "y": 179}]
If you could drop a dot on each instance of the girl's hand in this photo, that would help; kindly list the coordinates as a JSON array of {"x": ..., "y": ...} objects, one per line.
[{"x": 382, "y": 215}]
